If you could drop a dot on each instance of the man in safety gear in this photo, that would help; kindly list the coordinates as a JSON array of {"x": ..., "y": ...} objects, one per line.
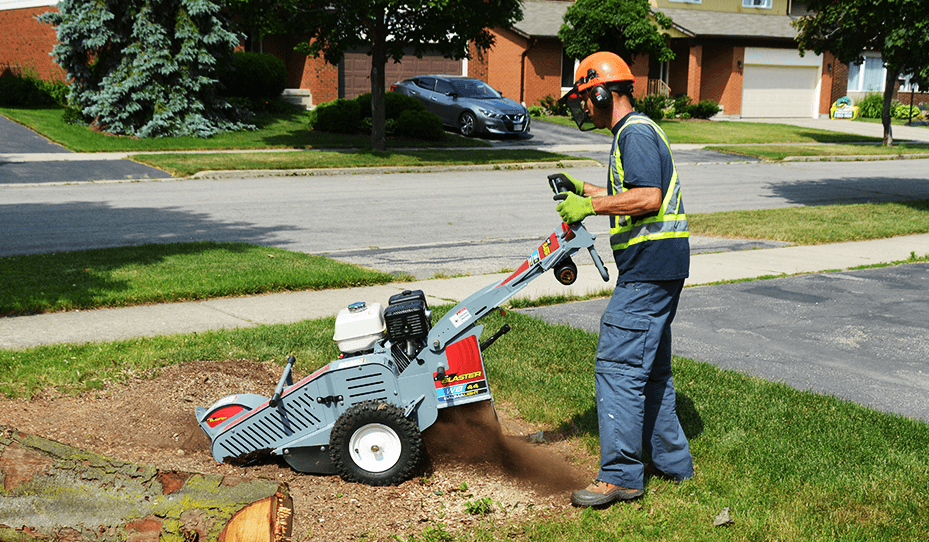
[{"x": 649, "y": 237}]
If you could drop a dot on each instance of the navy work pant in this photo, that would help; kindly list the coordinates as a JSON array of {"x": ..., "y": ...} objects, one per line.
[{"x": 635, "y": 391}]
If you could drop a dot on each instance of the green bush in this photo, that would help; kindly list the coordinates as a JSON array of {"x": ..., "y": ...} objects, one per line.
[
  {"x": 339, "y": 115},
  {"x": 394, "y": 104},
  {"x": 257, "y": 76},
  {"x": 652, "y": 106},
  {"x": 703, "y": 109},
  {"x": 871, "y": 106},
  {"x": 420, "y": 125},
  {"x": 390, "y": 126},
  {"x": 19, "y": 88},
  {"x": 681, "y": 106},
  {"x": 902, "y": 111},
  {"x": 552, "y": 107}
]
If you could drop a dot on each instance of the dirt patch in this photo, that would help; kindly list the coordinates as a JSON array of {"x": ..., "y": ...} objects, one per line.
[{"x": 472, "y": 457}]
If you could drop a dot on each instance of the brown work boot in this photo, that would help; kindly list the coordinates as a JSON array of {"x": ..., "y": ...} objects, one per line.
[{"x": 600, "y": 493}]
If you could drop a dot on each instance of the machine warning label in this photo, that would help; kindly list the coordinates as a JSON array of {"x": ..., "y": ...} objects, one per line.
[{"x": 460, "y": 317}]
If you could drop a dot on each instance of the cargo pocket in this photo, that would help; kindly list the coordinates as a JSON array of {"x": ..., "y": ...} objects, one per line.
[{"x": 622, "y": 340}]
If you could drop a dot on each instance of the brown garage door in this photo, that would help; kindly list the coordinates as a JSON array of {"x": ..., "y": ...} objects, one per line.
[{"x": 355, "y": 71}]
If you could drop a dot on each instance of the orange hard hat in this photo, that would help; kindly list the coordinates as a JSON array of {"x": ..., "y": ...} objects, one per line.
[{"x": 600, "y": 68}]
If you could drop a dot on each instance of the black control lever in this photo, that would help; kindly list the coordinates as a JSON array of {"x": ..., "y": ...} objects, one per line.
[{"x": 500, "y": 333}]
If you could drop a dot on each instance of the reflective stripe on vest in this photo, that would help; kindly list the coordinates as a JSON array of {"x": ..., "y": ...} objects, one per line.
[{"x": 666, "y": 224}]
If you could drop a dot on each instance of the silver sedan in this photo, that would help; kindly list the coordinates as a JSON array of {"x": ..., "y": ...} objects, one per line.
[{"x": 470, "y": 105}]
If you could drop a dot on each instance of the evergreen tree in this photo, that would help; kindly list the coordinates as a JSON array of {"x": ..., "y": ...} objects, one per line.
[{"x": 146, "y": 68}]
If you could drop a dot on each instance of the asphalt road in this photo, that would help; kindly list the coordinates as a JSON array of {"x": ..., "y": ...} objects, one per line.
[{"x": 448, "y": 218}]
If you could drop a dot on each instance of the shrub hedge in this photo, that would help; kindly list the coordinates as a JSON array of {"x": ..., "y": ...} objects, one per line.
[{"x": 406, "y": 116}]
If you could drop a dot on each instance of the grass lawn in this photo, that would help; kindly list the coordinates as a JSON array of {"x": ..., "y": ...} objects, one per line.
[
  {"x": 182, "y": 165},
  {"x": 117, "y": 277},
  {"x": 779, "y": 152},
  {"x": 279, "y": 131},
  {"x": 817, "y": 225},
  {"x": 736, "y": 133},
  {"x": 790, "y": 465}
]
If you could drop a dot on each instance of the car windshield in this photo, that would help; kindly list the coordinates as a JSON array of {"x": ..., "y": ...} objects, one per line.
[{"x": 474, "y": 88}]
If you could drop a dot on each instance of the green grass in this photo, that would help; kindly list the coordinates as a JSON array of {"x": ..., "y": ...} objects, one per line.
[
  {"x": 791, "y": 465},
  {"x": 897, "y": 122},
  {"x": 817, "y": 225},
  {"x": 279, "y": 131},
  {"x": 735, "y": 133},
  {"x": 188, "y": 164},
  {"x": 115, "y": 277},
  {"x": 779, "y": 152},
  {"x": 126, "y": 276}
]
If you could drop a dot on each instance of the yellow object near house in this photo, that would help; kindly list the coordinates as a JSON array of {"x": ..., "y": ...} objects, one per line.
[{"x": 843, "y": 109}]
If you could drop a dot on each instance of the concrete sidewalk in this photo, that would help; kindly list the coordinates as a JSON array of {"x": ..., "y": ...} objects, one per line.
[{"x": 152, "y": 320}]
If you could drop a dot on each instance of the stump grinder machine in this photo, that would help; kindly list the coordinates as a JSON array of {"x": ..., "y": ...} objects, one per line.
[{"x": 362, "y": 415}]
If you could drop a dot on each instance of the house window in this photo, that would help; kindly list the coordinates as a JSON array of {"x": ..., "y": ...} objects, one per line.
[
  {"x": 568, "y": 65},
  {"x": 908, "y": 85},
  {"x": 765, "y": 4},
  {"x": 867, "y": 76}
]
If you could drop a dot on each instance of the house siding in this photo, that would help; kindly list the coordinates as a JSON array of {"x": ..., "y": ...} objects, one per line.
[{"x": 26, "y": 43}]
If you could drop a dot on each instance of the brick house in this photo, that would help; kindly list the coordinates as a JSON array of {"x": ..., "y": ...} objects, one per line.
[{"x": 740, "y": 53}]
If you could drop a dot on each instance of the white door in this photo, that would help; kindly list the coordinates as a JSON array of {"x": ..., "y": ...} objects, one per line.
[{"x": 779, "y": 91}]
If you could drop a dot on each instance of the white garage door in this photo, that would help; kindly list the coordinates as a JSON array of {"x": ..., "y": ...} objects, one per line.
[{"x": 779, "y": 91}]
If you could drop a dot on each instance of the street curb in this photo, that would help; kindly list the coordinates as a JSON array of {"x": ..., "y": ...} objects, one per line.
[
  {"x": 853, "y": 158},
  {"x": 386, "y": 170}
]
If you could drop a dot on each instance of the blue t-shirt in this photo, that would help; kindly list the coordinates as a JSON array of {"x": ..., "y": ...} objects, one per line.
[{"x": 647, "y": 162}]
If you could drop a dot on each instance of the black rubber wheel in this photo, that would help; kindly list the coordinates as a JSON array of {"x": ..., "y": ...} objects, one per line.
[
  {"x": 373, "y": 443},
  {"x": 467, "y": 124},
  {"x": 566, "y": 272}
]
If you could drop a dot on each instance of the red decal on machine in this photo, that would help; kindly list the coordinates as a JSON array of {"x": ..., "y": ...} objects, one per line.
[
  {"x": 223, "y": 414},
  {"x": 464, "y": 362}
]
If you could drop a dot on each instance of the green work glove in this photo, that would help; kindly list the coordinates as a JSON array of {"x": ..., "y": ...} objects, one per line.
[
  {"x": 562, "y": 182},
  {"x": 573, "y": 208}
]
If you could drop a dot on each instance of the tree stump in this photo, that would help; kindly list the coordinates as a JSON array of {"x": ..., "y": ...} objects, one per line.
[{"x": 51, "y": 491}]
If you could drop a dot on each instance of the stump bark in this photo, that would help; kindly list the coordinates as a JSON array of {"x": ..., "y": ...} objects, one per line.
[{"x": 51, "y": 491}]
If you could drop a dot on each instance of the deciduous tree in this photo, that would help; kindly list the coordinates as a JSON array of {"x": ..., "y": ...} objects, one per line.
[
  {"x": 898, "y": 29},
  {"x": 625, "y": 27},
  {"x": 390, "y": 29}
]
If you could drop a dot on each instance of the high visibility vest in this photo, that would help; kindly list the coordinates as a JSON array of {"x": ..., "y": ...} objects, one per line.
[{"x": 668, "y": 223}]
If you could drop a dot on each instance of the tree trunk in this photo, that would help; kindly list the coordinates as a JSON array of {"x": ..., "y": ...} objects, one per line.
[
  {"x": 51, "y": 491},
  {"x": 889, "y": 84},
  {"x": 378, "y": 85}
]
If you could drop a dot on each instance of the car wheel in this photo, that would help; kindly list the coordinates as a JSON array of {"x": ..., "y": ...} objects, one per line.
[{"x": 467, "y": 124}]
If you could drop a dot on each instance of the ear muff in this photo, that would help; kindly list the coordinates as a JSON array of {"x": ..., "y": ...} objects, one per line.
[{"x": 601, "y": 96}]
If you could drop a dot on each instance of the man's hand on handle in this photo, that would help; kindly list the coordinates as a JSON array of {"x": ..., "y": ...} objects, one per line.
[{"x": 573, "y": 208}]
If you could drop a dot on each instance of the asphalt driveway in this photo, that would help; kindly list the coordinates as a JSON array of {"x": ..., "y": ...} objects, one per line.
[
  {"x": 50, "y": 162},
  {"x": 862, "y": 335}
]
